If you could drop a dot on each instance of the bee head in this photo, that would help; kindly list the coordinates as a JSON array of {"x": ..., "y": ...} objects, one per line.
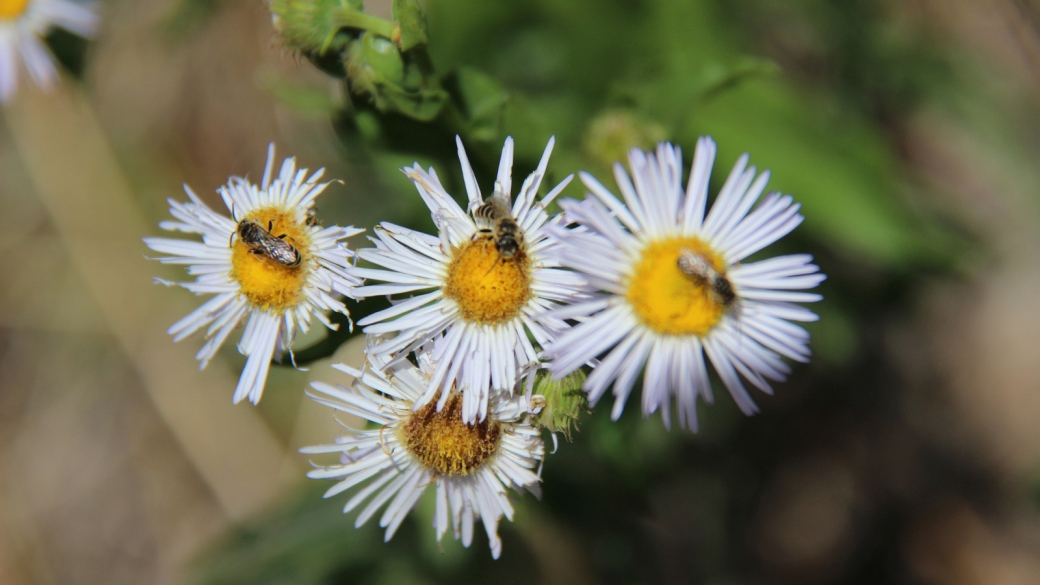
[{"x": 507, "y": 246}]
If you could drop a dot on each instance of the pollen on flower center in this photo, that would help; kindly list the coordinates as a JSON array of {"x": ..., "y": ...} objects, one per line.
[
  {"x": 668, "y": 301},
  {"x": 488, "y": 288},
  {"x": 10, "y": 9},
  {"x": 445, "y": 444},
  {"x": 268, "y": 284}
]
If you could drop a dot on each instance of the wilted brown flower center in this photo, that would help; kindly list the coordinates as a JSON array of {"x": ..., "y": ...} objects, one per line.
[{"x": 445, "y": 444}]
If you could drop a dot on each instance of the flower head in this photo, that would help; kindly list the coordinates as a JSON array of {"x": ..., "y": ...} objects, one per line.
[
  {"x": 674, "y": 288},
  {"x": 270, "y": 265},
  {"x": 23, "y": 23},
  {"x": 485, "y": 277},
  {"x": 471, "y": 465}
]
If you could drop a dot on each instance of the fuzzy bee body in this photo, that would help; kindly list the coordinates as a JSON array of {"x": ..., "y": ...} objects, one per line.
[
  {"x": 261, "y": 242},
  {"x": 701, "y": 270},
  {"x": 505, "y": 231}
]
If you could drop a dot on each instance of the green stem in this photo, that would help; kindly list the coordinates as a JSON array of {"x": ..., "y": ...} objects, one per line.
[{"x": 349, "y": 18}]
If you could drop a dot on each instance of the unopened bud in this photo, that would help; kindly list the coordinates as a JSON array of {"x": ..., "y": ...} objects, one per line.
[
  {"x": 377, "y": 68},
  {"x": 562, "y": 402},
  {"x": 611, "y": 134},
  {"x": 314, "y": 26}
]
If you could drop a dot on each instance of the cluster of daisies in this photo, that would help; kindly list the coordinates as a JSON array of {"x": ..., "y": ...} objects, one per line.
[
  {"x": 642, "y": 286},
  {"x": 638, "y": 287}
]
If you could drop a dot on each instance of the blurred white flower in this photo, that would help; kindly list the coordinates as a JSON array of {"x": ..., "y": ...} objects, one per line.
[
  {"x": 673, "y": 287},
  {"x": 471, "y": 465},
  {"x": 275, "y": 288},
  {"x": 23, "y": 24},
  {"x": 482, "y": 305}
]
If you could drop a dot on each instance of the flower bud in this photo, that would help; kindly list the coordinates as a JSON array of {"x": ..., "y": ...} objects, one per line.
[
  {"x": 562, "y": 402},
  {"x": 612, "y": 133},
  {"x": 314, "y": 26},
  {"x": 376, "y": 68},
  {"x": 308, "y": 26}
]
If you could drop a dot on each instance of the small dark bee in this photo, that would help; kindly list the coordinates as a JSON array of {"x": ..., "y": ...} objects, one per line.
[
  {"x": 507, "y": 235},
  {"x": 312, "y": 217},
  {"x": 701, "y": 270},
  {"x": 261, "y": 242}
]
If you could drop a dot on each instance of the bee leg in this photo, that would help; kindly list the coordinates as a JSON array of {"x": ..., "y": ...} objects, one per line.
[{"x": 493, "y": 266}]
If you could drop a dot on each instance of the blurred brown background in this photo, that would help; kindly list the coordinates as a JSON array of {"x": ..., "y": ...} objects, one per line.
[{"x": 120, "y": 461}]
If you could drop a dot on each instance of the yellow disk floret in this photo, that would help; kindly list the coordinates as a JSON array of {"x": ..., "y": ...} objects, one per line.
[
  {"x": 10, "y": 9},
  {"x": 268, "y": 284},
  {"x": 488, "y": 288},
  {"x": 445, "y": 444},
  {"x": 668, "y": 301}
]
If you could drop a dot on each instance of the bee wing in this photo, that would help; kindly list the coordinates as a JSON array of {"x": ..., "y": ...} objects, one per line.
[
  {"x": 494, "y": 208},
  {"x": 502, "y": 202}
]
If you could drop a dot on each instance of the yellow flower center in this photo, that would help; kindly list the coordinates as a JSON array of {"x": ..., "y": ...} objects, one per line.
[
  {"x": 669, "y": 301},
  {"x": 267, "y": 283},
  {"x": 488, "y": 288},
  {"x": 11, "y": 9},
  {"x": 445, "y": 444}
]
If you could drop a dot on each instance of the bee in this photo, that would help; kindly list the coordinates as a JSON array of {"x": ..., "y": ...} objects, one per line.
[
  {"x": 261, "y": 242},
  {"x": 701, "y": 270},
  {"x": 505, "y": 231},
  {"x": 312, "y": 217}
]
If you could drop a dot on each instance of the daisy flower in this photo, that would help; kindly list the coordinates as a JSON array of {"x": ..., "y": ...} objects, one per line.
[
  {"x": 23, "y": 24},
  {"x": 483, "y": 281},
  {"x": 270, "y": 266},
  {"x": 674, "y": 288},
  {"x": 410, "y": 449}
]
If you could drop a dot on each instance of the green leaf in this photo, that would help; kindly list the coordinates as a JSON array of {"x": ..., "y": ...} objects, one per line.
[
  {"x": 834, "y": 165},
  {"x": 481, "y": 100}
]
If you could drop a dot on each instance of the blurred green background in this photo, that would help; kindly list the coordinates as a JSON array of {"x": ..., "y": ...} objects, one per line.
[{"x": 906, "y": 452}]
